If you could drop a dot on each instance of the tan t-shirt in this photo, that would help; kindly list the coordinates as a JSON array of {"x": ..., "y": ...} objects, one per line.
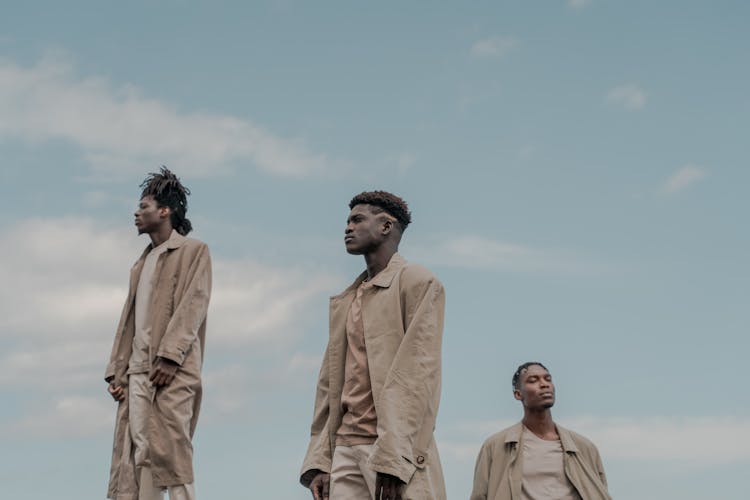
[
  {"x": 544, "y": 471},
  {"x": 140, "y": 359},
  {"x": 359, "y": 422}
]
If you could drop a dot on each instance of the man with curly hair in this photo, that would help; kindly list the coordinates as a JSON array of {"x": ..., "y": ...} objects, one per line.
[
  {"x": 379, "y": 384},
  {"x": 537, "y": 458},
  {"x": 154, "y": 371}
]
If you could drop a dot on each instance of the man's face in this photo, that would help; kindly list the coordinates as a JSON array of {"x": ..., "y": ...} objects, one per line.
[
  {"x": 365, "y": 231},
  {"x": 536, "y": 390},
  {"x": 149, "y": 216}
]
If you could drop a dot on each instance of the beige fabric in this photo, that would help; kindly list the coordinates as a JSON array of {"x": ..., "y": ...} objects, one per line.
[
  {"x": 543, "y": 472},
  {"x": 402, "y": 315},
  {"x": 499, "y": 468},
  {"x": 140, "y": 359},
  {"x": 177, "y": 317},
  {"x": 141, "y": 394},
  {"x": 359, "y": 424},
  {"x": 351, "y": 477}
]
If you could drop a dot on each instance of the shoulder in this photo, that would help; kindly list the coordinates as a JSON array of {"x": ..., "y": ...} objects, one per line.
[
  {"x": 191, "y": 245},
  {"x": 413, "y": 273},
  {"x": 192, "y": 250},
  {"x": 498, "y": 439},
  {"x": 584, "y": 444}
]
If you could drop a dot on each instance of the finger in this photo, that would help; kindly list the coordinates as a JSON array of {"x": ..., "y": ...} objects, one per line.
[
  {"x": 314, "y": 489},
  {"x": 326, "y": 487}
]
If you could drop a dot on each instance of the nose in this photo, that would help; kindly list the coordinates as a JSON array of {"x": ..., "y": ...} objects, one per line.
[{"x": 349, "y": 228}]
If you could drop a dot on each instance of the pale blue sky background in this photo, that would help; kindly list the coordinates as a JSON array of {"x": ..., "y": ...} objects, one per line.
[{"x": 577, "y": 171}]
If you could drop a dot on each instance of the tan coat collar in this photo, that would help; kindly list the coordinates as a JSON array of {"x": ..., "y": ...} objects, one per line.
[
  {"x": 176, "y": 240},
  {"x": 383, "y": 279},
  {"x": 566, "y": 440}
]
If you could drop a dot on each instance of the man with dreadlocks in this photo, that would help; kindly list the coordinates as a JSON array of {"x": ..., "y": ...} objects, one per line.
[
  {"x": 379, "y": 385},
  {"x": 536, "y": 458},
  {"x": 154, "y": 372}
]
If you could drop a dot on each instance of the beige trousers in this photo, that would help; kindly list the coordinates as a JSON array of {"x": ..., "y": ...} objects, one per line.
[
  {"x": 351, "y": 477},
  {"x": 141, "y": 395}
]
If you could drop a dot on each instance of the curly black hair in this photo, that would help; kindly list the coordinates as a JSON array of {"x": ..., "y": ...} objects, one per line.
[
  {"x": 523, "y": 368},
  {"x": 168, "y": 191},
  {"x": 388, "y": 202}
]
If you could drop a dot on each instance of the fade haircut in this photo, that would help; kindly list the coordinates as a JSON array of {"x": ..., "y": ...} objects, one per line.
[
  {"x": 523, "y": 368},
  {"x": 386, "y": 202},
  {"x": 168, "y": 191}
]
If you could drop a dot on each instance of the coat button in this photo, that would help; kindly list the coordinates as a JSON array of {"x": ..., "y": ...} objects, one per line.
[{"x": 420, "y": 459}]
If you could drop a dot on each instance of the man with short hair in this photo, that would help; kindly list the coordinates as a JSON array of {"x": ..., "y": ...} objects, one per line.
[
  {"x": 155, "y": 367},
  {"x": 379, "y": 385},
  {"x": 537, "y": 459}
]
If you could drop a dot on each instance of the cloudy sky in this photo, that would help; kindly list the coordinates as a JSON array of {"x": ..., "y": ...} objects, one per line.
[{"x": 577, "y": 171}]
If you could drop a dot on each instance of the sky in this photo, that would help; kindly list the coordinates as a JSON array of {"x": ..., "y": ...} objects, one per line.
[{"x": 577, "y": 172}]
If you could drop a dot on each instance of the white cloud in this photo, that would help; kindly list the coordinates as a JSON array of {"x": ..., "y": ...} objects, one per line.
[
  {"x": 69, "y": 279},
  {"x": 252, "y": 302},
  {"x": 493, "y": 47},
  {"x": 119, "y": 130},
  {"x": 700, "y": 440},
  {"x": 71, "y": 416},
  {"x": 66, "y": 281},
  {"x": 631, "y": 96},
  {"x": 578, "y": 4},
  {"x": 477, "y": 252},
  {"x": 683, "y": 178},
  {"x": 714, "y": 440}
]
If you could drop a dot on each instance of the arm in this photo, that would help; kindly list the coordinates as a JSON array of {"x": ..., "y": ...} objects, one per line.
[
  {"x": 319, "y": 454},
  {"x": 481, "y": 475},
  {"x": 411, "y": 391},
  {"x": 190, "y": 312}
]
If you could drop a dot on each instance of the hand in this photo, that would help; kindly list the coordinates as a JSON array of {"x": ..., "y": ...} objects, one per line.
[
  {"x": 388, "y": 487},
  {"x": 163, "y": 372},
  {"x": 116, "y": 391},
  {"x": 320, "y": 486}
]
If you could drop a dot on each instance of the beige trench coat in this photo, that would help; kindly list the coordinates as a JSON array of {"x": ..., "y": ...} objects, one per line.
[
  {"x": 403, "y": 324},
  {"x": 177, "y": 316},
  {"x": 498, "y": 471}
]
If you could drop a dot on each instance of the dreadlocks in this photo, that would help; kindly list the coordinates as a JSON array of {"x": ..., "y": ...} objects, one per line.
[
  {"x": 523, "y": 368},
  {"x": 387, "y": 202},
  {"x": 167, "y": 191}
]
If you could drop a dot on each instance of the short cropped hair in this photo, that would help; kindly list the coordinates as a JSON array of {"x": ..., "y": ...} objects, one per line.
[
  {"x": 387, "y": 202},
  {"x": 168, "y": 191},
  {"x": 523, "y": 368}
]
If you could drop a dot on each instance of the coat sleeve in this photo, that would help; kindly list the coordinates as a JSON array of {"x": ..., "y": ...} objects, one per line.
[
  {"x": 116, "y": 359},
  {"x": 410, "y": 396},
  {"x": 480, "y": 488},
  {"x": 319, "y": 454},
  {"x": 191, "y": 310}
]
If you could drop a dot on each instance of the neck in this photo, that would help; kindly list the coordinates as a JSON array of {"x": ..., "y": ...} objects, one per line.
[
  {"x": 378, "y": 259},
  {"x": 540, "y": 423},
  {"x": 160, "y": 235}
]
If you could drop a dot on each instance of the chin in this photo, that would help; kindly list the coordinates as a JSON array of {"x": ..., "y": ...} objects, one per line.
[{"x": 353, "y": 251}]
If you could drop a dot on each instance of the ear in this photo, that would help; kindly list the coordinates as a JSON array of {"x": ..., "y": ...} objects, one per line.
[
  {"x": 165, "y": 212},
  {"x": 517, "y": 395},
  {"x": 387, "y": 226}
]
